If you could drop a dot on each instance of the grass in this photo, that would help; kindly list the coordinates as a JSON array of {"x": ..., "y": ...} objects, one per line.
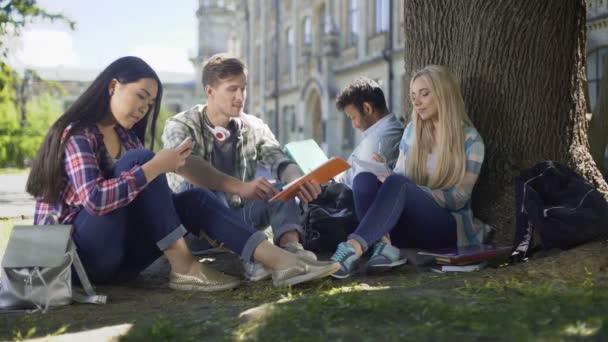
[
  {"x": 495, "y": 310},
  {"x": 12, "y": 171},
  {"x": 521, "y": 302},
  {"x": 420, "y": 308},
  {"x": 6, "y": 226}
]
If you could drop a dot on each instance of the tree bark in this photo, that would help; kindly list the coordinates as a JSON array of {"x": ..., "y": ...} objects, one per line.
[{"x": 522, "y": 70}]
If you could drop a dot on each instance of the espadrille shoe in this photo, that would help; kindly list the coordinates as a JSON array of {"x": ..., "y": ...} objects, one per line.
[
  {"x": 303, "y": 270},
  {"x": 207, "y": 280}
]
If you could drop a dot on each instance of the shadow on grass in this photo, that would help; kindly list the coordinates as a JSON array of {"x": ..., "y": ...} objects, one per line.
[
  {"x": 509, "y": 310},
  {"x": 491, "y": 305}
]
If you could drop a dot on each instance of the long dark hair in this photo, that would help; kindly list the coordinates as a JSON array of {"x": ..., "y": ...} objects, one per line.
[{"x": 47, "y": 173}]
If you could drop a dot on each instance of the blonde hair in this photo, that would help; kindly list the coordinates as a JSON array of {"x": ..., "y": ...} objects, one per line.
[{"x": 449, "y": 136}]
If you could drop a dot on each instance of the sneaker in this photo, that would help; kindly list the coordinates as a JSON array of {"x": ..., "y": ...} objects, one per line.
[
  {"x": 208, "y": 280},
  {"x": 297, "y": 249},
  {"x": 304, "y": 270},
  {"x": 254, "y": 271},
  {"x": 348, "y": 259},
  {"x": 384, "y": 257}
]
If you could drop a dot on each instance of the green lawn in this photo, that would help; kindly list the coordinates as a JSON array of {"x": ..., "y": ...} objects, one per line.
[
  {"x": 492, "y": 310},
  {"x": 6, "y": 226},
  {"x": 11, "y": 170},
  {"x": 563, "y": 297}
]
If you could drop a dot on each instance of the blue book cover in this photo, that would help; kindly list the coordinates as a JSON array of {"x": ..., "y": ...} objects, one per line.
[{"x": 307, "y": 154}]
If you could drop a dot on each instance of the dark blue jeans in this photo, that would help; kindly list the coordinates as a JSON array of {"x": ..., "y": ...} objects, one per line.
[
  {"x": 282, "y": 216},
  {"x": 399, "y": 207},
  {"x": 119, "y": 245}
]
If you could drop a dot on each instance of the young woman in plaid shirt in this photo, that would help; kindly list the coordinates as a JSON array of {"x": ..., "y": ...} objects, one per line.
[
  {"x": 426, "y": 201},
  {"x": 93, "y": 172}
]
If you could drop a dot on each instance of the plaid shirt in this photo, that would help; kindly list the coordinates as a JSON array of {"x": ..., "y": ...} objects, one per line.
[
  {"x": 457, "y": 199},
  {"x": 88, "y": 178},
  {"x": 255, "y": 143}
]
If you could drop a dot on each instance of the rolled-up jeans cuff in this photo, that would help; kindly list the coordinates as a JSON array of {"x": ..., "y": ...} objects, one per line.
[
  {"x": 287, "y": 228},
  {"x": 170, "y": 239},
  {"x": 360, "y": 240},
  {"x": 252, "y": 243}
]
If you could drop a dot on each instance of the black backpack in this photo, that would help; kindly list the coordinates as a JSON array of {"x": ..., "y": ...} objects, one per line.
[
  {"x": 329, "y": 219},
  {"x": 563, "y": 208}
]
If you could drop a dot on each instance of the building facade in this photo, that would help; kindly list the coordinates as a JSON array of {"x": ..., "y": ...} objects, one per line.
[
  {"x": 597, "y": 46},
  {"x": 179, "y": 91},
  {"x": 301, "y": 53}
]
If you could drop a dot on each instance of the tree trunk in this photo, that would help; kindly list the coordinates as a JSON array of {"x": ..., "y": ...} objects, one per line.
[{"x": 522, "y": 71}]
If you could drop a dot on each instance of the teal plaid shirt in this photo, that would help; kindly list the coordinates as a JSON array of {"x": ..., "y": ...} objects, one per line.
[
  {"x": 255, "y": 144},
  {"x": 457, "y": 199}
]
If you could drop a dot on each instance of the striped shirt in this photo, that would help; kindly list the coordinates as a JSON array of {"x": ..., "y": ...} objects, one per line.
[
  {"x": 88, "y": 179},
  {"x": 457, "y": 199}
]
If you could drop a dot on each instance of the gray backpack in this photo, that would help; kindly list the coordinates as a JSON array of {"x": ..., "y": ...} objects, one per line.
[{"x": 36, "y": 270}]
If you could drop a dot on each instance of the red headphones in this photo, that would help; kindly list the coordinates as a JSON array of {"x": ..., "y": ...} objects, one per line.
[{"x": 220, "y": 133}]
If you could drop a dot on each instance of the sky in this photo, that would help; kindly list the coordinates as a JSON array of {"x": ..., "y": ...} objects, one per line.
[{"x": 163, "y": 33}]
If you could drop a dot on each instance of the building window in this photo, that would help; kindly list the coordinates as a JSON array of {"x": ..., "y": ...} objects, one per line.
[
  {"x": 288, "y": 64},
  {"x": 270, "y": 58},
  {"x": 307, "y": 32},
  {"x": 255, "y": 75},
  {"x": 353, "y": 22},
  {"x": 382, "y": 13},
  {"x": 596, "y": 61},
  {"x": 289, "y": 124},
  {"x": 289, "y": 49},
  {"x": 348, "y": 133},
  {"x": 325, "y": 20},
  {"x": 257, "y": 9}
]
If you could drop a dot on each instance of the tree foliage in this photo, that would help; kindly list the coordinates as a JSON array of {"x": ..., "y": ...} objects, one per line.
[
  {"x": 16, "y": 14},
  {"x": 17, "y": 143},
  {"x": 163, "y": 115}
]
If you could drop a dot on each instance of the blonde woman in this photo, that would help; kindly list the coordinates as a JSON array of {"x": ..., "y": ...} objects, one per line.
[{"x": 426, "y": 201}]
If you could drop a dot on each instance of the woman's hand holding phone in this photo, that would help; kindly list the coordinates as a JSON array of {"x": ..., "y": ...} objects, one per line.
[{"x": 171, "y": 159}]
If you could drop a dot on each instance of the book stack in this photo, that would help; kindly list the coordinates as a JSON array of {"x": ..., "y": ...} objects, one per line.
[{"x": 467, "y": 258}]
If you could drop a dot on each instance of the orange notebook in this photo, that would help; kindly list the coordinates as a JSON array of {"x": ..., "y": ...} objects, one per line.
[{"x": 321, "y": 174}]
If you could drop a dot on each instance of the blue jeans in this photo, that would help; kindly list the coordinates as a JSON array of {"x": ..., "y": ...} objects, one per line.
[
  {"x": 399, "y": 207},
  {"x": 282, "y": 216},
  {"x": 119, "y": 245}
]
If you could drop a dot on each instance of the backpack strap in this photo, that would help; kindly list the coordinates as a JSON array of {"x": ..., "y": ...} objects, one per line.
[{"x": 91, "y": 297}]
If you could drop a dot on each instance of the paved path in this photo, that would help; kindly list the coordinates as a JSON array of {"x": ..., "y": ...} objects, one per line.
[{"x": 14, "y": 201}]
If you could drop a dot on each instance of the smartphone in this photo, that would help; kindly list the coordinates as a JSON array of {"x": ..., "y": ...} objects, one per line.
[{"x": 184, "y": 143}]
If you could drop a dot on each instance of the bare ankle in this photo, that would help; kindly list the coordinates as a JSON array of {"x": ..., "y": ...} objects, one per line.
[
  {"x": 357, "y": 246},
  {"x": 180, "y": 258},
  {"x": 289, "y": 237},
  {"x": 272, "y": 256}
]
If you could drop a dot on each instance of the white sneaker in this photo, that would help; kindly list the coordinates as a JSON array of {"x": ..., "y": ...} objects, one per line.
[
  {"x": 297, "y": 249},
  {"x": 254, "y": 271}
]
